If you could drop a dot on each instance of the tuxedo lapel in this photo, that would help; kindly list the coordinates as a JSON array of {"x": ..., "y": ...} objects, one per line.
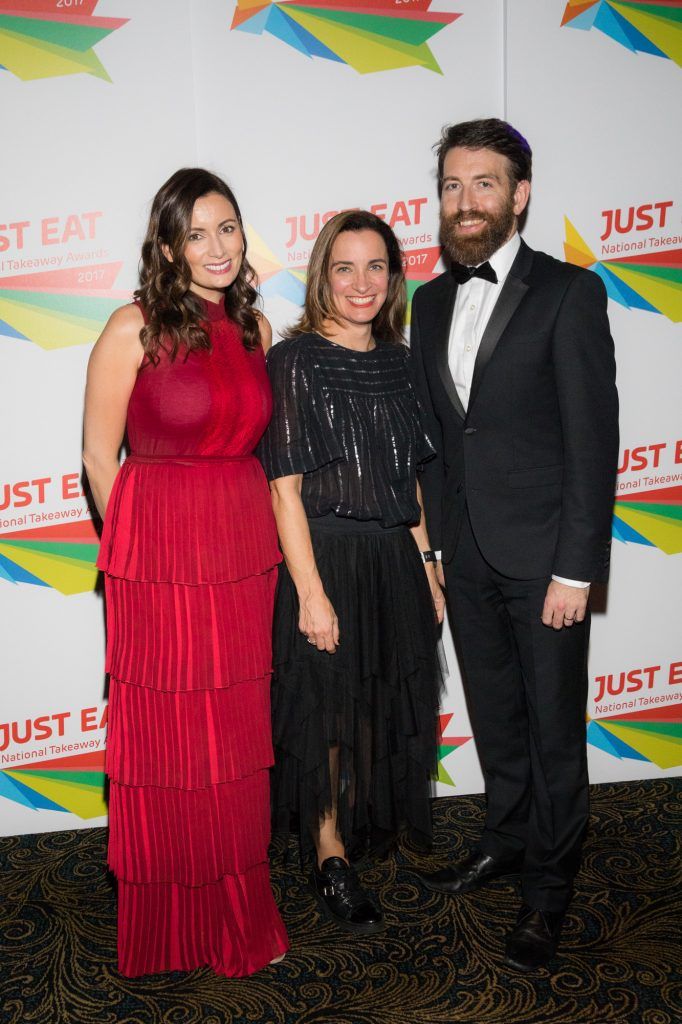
[
  {"x": 440, "y": 330},
  {"x": 513, "y": 291}
]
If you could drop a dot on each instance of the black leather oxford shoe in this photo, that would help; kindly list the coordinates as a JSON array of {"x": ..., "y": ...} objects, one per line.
[
  {"x": 343, "y": 900},
  {"x": 533, "y": 941},
  {"x": 477, "y": 870}
]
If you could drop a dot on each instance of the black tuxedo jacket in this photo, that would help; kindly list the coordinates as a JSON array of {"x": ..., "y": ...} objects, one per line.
[{"x": 534, "y": 458}]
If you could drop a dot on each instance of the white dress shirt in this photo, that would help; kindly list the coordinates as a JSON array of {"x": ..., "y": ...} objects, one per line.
[{"x": 474, "y": 304}]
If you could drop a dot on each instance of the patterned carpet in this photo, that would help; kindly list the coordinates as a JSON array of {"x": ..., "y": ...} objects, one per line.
[{"x": 440, "y": 960}]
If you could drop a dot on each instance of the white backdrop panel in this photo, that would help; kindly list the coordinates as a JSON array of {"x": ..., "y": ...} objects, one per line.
[
  {"x": 296, "y": 138},
  {"x": 600, "y": 118},
  {"x": 80, "y": 145}
]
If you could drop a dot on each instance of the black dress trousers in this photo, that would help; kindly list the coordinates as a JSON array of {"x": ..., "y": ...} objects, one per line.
[{"x": 526, "y": 689}]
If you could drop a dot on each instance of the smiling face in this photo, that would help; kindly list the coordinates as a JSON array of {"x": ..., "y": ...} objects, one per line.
[
  {"x": 479, "y": 204},
  {"x": 214, "y": 247},
  {"x": 358, "y": 276}
]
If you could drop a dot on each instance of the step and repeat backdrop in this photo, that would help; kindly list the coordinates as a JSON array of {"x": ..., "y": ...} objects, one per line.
[{"x": 308, "y": 108}]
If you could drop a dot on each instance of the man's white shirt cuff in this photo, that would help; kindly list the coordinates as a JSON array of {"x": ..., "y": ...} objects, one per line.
[{"x": 570, "y": 583}]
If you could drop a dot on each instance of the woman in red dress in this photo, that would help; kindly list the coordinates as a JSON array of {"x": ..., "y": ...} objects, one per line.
[{"x": 189, "y": 551}]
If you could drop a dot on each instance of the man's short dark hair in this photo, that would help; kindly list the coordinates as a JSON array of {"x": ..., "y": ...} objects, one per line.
[{"x": 489, "y": 133}]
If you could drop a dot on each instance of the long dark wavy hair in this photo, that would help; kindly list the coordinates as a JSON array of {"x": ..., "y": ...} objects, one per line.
[
  {"x": 173, "y": 312},
  {"x": 319, "y": 303}
]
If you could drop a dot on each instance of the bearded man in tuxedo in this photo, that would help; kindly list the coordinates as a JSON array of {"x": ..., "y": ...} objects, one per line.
[{"x": 515, "y": 368}]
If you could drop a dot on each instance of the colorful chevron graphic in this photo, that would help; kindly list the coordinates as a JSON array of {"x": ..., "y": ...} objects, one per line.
[
  {"x": 56, "y": 308},
  {"x": 369, "y": 35},
  {"x": 74, "y": 784},
  {"x": 39, "y": 39},
  {"x": 62, "y": 556},
  {"x": 654, "y": 735},
  {"x": 653, "y": 518},
  {"x": 273, "y": 277},
  {"x": 649, "y": 281},
  {"x": 446, "y": 745},
  {"x": 642, "y": 26},
  {"x": 419, "y": 266}
]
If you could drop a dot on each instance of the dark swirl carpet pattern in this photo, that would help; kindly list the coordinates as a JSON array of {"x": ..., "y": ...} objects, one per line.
[{"x": 440, "y": 960}]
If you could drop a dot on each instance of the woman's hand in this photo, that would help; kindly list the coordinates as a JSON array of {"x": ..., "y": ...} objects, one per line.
[
  {"x": 318, "y": 622},
  {"x": 437, "y": 595}
]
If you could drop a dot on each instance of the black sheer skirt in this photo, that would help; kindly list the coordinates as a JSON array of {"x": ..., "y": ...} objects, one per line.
[{"x": 357, "y": 730}]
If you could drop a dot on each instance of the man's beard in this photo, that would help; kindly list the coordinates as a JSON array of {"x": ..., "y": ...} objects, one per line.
[{"x": 477, "y": 249}]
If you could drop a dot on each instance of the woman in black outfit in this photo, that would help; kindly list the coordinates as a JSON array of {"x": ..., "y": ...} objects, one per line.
[{"x": 356, "y": 678}]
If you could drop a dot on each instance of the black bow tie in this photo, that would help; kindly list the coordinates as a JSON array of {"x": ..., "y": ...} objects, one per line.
[{"x": 463, "y": 274}]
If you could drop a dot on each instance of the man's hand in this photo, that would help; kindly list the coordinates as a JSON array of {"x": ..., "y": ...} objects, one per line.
[{"x": 564, "y": 605}]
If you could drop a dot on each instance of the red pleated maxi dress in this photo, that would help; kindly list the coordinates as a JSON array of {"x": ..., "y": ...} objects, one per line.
[{"x": 190, "y": 554}]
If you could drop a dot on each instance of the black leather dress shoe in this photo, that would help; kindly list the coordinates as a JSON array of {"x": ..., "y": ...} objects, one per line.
[
  {"x": 470, "y": 874},
  {"x": 343, "y": 900},
  {"x": 533, "y": 941}
]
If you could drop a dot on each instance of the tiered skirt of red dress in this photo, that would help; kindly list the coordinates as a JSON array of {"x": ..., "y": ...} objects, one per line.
[{"x": 190, "y": 552}]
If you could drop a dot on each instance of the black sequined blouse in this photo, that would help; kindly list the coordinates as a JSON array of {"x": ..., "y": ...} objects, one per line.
[{"x": 350, "y": 423}]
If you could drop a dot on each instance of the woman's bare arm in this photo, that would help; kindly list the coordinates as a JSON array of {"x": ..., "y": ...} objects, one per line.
[
  {"x": 317, "y": 618},
  {"x": 421, "y": 536},
  {"x": 112, "y": 371}
]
